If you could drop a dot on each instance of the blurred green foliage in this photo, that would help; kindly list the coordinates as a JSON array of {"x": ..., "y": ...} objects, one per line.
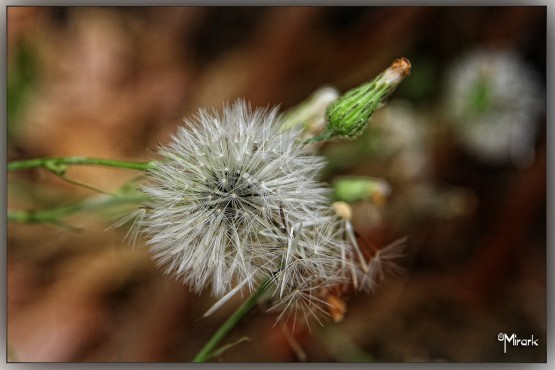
[{"x": 22, "y": 76}]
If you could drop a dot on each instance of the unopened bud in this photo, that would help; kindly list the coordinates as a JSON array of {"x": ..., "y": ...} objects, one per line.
[
  {"x": 347, "y": 117},
  {"x": 352, "y": 189}
]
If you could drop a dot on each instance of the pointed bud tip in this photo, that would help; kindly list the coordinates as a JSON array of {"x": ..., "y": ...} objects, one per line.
[
  {"x": 402, "y": 65},
  {"x": 397, "y": 71}
]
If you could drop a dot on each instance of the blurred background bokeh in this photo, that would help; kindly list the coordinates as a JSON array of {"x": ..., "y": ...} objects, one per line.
[{"x": 461, "y": 144}]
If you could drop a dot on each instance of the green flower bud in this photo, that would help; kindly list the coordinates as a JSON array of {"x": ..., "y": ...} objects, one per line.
[
  {"x": 347, "y": 117},
  {"x": 352, "y": 189}
]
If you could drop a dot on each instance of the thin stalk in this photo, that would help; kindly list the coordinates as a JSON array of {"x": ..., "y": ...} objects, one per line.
[
  {"x": 53, "y": 215},
  {"x": 207, "y": 351},
  {"x": 81, "y": 184},
  {"x": 60, "y": 163},
  {"x": 326, "y": 136}
]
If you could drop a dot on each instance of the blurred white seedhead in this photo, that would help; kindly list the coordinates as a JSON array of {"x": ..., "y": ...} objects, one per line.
[
  {"x": 402, "y": 134},
  {"x": 226, "y": 186},
  {"x": 311, "y": 114},
  {"x": 494, "y": 100}
]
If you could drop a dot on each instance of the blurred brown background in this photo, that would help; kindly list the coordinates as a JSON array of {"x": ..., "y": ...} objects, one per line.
[{"x": 114, "y": 82}]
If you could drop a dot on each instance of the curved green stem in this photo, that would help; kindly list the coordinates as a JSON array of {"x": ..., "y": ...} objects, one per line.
[
  {"x": 53, "y": 215},
  {"x": 58, "y": 164},
  {"x": 81, "y": 184},
  {"x": 208, "y": 350}
]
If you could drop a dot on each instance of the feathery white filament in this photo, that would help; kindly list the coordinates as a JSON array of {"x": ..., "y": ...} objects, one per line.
[{"x": 226, "y": 183}]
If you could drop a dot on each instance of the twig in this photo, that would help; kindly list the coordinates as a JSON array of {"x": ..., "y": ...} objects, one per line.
[
  {"x": 58, "y": 165},
  {"x": 207, "y": 352},
  {"x": 53, "y": 215}
]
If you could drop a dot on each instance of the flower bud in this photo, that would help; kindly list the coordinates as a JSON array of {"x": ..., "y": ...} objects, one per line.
[
  {"x": 310, "y": 114},
  {"x": 352, "y": 189},
  {"x": 347, "y": 117}
]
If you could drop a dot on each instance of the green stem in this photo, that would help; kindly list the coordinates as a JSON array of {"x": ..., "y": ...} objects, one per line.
[
  {"x": 81, "y": 184},
  {"x": 59, "y": 163},
  {"x": 53, "y": 215},
  {"x": 208, "y": 350},
  {"x": 326, "y": 136}
]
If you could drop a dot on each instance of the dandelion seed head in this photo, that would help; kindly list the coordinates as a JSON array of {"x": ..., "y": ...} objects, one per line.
[
  {"x": 219, "y": 196},
  {"x": 235, "y": 202}
]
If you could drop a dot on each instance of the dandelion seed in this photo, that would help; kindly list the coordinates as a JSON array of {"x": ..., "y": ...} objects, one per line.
[
  {"x": 381, "y": 264},
  {"x": 135, "y": 218}
]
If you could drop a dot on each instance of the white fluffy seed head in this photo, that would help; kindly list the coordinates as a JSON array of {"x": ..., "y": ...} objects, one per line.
[
  {"x": 226, "y": 186},
  {"x": 235, "y": 202}
]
